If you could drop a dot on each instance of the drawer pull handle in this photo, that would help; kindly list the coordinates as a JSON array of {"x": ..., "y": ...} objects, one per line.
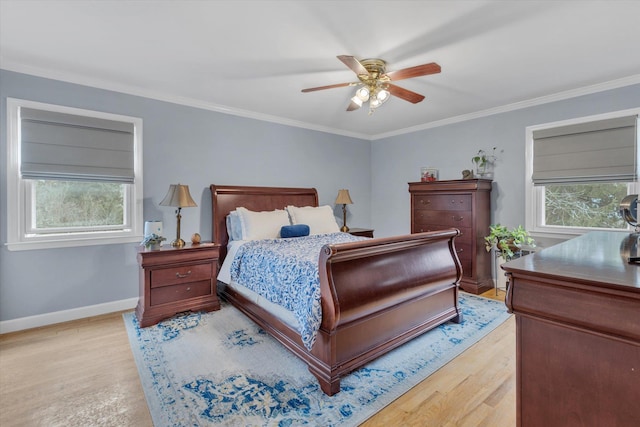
[
  {"x": 425, "y": 202},
  {"x": 457, "y": 218},
  {"x": 189, "y": 288},
  {"x": 182, "y": 276},
  {"x": 459, "y": 250}
]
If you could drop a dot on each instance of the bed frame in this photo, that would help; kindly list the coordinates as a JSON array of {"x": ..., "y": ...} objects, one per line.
[{"x": 375, "y": 294}]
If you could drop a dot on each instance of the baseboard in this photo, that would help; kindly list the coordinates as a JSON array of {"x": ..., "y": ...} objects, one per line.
[{"x": 29, "y": 322}]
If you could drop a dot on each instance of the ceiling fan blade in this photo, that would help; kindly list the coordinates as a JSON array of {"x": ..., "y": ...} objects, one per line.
[
  {"x": 405, "y": 94},
  {"x": 353, "y": 63},
  {"x": 353, "y": 106},
  {"x": 418, "y": 70},
  {"x": 312, "y": 89}
]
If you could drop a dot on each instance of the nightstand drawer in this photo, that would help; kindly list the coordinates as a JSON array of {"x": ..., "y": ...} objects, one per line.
[
  {"x": 180, "y": 292},
  {"x": 181, "y": 274},
  {"x": 443, "y": 202}
]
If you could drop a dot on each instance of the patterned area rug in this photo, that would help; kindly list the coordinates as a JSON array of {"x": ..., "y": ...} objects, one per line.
[{"x": 219, "y": 368}]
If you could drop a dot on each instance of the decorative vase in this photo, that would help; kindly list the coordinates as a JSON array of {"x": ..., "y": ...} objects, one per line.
[
  {"x": 485, "y": 170},
  {"x": 154, "y": 247}
]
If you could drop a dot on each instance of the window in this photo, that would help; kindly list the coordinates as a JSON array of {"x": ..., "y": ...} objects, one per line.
[
  {"x": 74, "y": 177},
  {"x": 578, "y": 172}
]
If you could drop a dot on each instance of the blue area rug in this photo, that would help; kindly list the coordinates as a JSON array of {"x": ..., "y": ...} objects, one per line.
[{"x": 219, "y": 368}]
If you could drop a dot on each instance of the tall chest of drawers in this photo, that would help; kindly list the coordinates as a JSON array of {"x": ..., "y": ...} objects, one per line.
[{"x": 465, "y": 205}]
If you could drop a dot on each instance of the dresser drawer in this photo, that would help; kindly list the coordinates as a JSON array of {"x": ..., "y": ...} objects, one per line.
[
  {"x": 446, "y": 219},
  {"x": 180, "y": 292},
  {"x": 465, "y": 235},
  {"x": 443, "y": 202},
  {"x": 181, "y": 274}
]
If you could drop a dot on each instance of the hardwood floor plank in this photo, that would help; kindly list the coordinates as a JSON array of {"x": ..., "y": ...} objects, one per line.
[{"x": 82, "y": 373}]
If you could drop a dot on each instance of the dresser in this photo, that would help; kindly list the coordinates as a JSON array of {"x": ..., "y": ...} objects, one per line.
[
  {"x": 465, "y": 205},
  {"x": 577, "y": 309},
  {"x": 173, "y": 280}
]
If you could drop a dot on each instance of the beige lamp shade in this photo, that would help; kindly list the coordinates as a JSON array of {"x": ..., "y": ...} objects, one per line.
[
  {"x": 178, "y": 196},
  {"x": 343, "y": 198}
]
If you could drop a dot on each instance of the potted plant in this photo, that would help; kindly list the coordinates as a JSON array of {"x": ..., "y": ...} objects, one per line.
[
  {"x": 507, "y": 241},
  {"x": 152, "y": 241},
  {"x": 484, "y": 163}
]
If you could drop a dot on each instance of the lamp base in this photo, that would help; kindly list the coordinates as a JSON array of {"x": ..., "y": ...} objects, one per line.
[
  {"x": 344, "y": 229},
  {"x": 178, "y": 243}
]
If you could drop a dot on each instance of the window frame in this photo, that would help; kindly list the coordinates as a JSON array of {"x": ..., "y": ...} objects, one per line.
[
  {"x": 534, "y": 195},
  {"x": 19, "y": 189}
]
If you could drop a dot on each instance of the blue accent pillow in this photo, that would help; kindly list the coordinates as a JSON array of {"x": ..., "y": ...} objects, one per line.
[{"x": 298, "y": 230}]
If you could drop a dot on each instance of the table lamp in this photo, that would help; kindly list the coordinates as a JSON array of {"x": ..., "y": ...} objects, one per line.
[
  {"x": 344, "y": 199},
  {"x": 178, "y": 196}
]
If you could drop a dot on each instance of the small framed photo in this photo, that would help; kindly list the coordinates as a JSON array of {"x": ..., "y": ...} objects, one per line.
[{"x": 428, "y": 174}]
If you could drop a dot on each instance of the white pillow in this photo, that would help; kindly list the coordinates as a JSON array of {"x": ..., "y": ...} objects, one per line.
[
  {"x": 262, "y": 225},
  {"x": 319, "y": 219}
]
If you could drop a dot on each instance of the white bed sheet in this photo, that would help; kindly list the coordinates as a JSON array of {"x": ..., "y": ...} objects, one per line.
[{"x": 224, "y": 276}]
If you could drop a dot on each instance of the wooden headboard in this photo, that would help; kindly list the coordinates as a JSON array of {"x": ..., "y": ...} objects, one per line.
[{"x": 225, "y": 198}]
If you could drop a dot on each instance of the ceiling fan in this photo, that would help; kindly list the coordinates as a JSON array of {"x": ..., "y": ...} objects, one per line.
[{"x": 375, "y": 82}]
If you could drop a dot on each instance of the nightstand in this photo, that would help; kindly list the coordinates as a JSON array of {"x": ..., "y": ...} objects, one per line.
[
  {"x": 363, "y": 232},
  {"x": 173, "y": 280}
]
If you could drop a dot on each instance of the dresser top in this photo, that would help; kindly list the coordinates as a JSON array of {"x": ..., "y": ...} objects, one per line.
[
  {"x": 598, "y": 258},
  {"x": 454, "y": 184}
]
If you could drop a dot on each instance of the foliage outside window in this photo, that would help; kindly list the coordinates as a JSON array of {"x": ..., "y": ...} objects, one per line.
[
  {"x": 65, "y": 206},
  {"x": 585, "y": 205},
  {"x": 75, "y": 196},
  {"x": 572, "y": 205}
]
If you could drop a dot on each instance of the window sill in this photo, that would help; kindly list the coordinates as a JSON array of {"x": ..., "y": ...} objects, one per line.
[{"x": 70, "y": 243}]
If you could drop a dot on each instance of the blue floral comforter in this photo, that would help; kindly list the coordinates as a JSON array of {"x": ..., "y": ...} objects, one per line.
[{"x": 285, "y": 271}]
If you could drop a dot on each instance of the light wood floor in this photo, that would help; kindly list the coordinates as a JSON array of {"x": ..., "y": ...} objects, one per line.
[{"x": 82, "y": 373}]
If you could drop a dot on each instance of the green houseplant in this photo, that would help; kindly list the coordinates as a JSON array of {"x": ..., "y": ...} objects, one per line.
[
  {"x": 507, "y": 241},
  {"x": 152, "y": 241}
]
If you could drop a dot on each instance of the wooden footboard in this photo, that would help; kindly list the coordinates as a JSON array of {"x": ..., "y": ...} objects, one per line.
[
  {"x": 376, "y": 294},
  {"x": 380, "y": 293}
]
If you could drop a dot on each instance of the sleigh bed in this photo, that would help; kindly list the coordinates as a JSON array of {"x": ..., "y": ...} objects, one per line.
[{"x": 375, "y": 294}]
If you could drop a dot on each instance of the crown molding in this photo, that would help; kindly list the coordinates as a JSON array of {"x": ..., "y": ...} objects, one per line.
[
  {"x": 159, "y": 96},
  {"x": 573, "y": 93},
  {"x": 190, "y": 102}
]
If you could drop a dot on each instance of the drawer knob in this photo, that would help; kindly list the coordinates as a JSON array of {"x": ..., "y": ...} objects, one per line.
[
  {"x": 182, "y": 276},
  {"x": 457, "y": 218},
  {"x": 459, "y": 250},
  {"x": 189, "y": 288},
  {"x": 425, "y": 202}
]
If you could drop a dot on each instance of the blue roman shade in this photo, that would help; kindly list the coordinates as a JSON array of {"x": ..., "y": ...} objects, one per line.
[{"x": 73, "y": 147}]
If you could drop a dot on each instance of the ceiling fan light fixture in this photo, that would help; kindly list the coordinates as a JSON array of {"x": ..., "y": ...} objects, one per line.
[
  {"x": 357, "y": 100},
  {"x": 375, "y": 84},
  {"x": 363, "y": 94},
  {"x": 382, "y": 95}
]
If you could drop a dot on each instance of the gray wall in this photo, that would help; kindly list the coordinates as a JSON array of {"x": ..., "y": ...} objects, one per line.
[
  {"x": 181, "y": 144},
  {"x": 397, "y": 160},
  {"x": 198, "y": 148}
]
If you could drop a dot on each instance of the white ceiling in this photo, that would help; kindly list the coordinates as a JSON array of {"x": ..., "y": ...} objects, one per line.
[{"x": 252, "y": 58}]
